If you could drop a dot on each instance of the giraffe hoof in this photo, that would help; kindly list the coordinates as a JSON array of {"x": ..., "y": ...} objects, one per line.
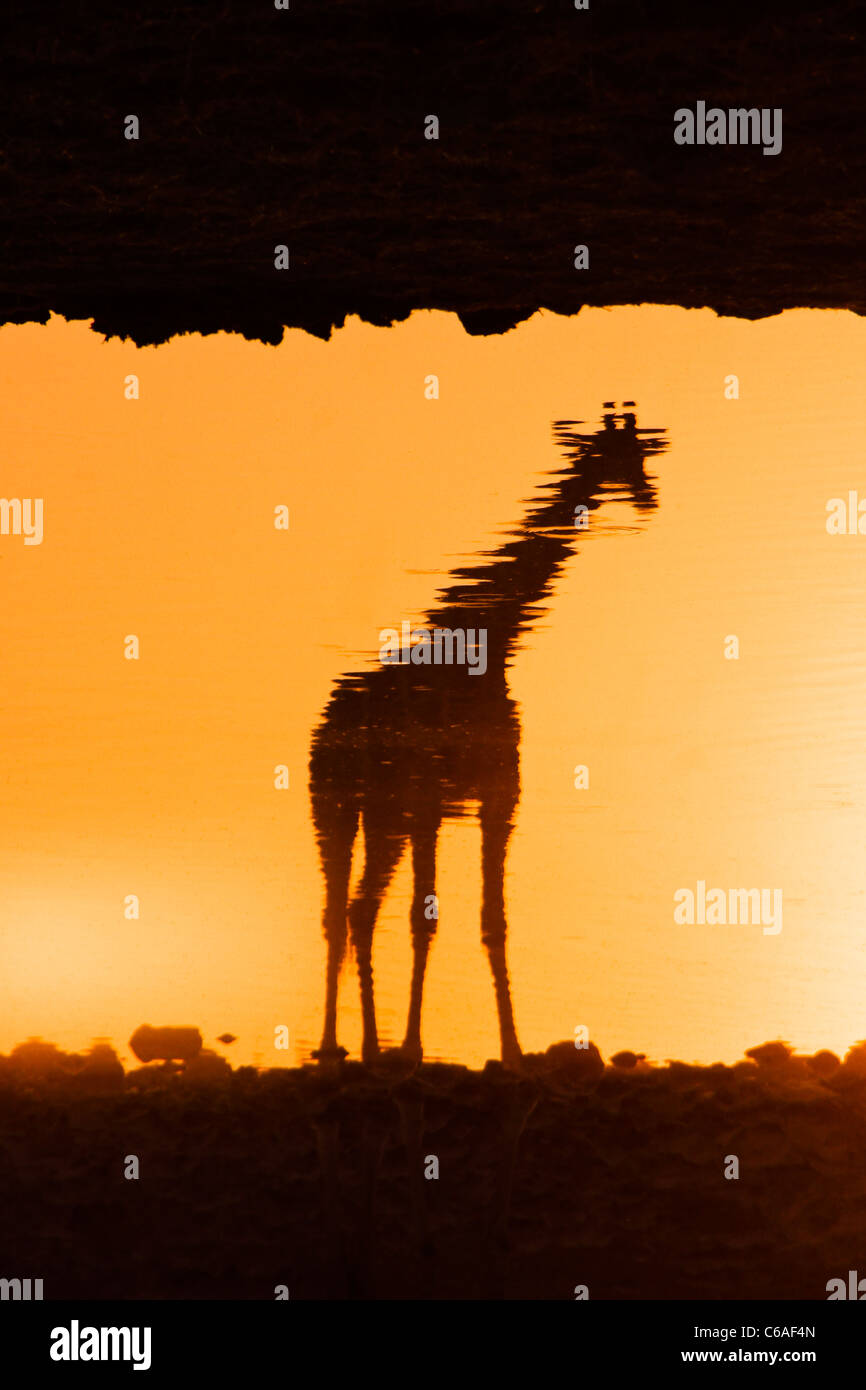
[
  {"x": 400, "y": 1061},
  {"x": 329, "y": 1054},
  {"x": 514, "y": 1061}
]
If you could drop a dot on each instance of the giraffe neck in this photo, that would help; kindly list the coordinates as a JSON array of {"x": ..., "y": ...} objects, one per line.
[{"x": 501, "y": 595}]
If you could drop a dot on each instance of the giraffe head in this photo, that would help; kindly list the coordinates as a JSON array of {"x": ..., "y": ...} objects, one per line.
[{"x": 626, "y": 417}]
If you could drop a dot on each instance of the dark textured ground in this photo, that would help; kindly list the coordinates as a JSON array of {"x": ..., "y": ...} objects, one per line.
[
  {"x": 249, "y": 1180},
  {"x": 305, "y": 127}
]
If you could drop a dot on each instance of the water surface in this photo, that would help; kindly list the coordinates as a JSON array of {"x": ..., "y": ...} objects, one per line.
[{"x": 156, "y": 777}]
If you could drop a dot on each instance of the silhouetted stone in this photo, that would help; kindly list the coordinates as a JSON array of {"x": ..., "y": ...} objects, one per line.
[
  {"x": 583, "y": 1062},
  {"x": 824, "y": 1063},
  {"x": 102, "y": 1072},
  {"x": 770, "y": 1054},
  {"x": 207, "y": 1066},
  {"x": 38, "y": 1058},
  {"x": 627, "y": 1061},
  {"x": 165, "y": 1044}
]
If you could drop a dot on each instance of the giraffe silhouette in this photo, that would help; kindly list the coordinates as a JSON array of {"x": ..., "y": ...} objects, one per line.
[{"x": 407, "y": 745}]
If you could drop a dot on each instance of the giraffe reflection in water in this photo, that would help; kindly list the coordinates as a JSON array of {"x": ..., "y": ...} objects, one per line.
[{"x": 403, "y": 747}]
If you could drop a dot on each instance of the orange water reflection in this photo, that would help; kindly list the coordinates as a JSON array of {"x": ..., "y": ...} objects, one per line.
[{"x": 157, "y": 778}]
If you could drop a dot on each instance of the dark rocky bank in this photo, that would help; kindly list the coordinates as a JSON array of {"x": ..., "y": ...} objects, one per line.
[
  {"x": 305, "y": 127},
  {"x": 574, "y": 1173}
]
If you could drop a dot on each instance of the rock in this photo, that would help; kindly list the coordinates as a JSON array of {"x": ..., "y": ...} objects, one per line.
[
  {"x": 770, "y": 1054},
  {"x": 823, "y": 1063},
  {"x": 207, "y": 1066},
  {"x": 102, "y": 1071},
  {"x": 627, "y": 1061},
  {"x": 165, "y": 1044},
  {"x": 38, "y": 1058},
  {"x": 581, "y": 1062}
]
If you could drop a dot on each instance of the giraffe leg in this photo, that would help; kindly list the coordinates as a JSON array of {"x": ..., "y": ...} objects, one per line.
[
  {"x": 423, "y": 927},
  {"x": 496, "y": 828},
  {"x": 336, "y": 826},
  {"x": 383, "y": 848}
]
